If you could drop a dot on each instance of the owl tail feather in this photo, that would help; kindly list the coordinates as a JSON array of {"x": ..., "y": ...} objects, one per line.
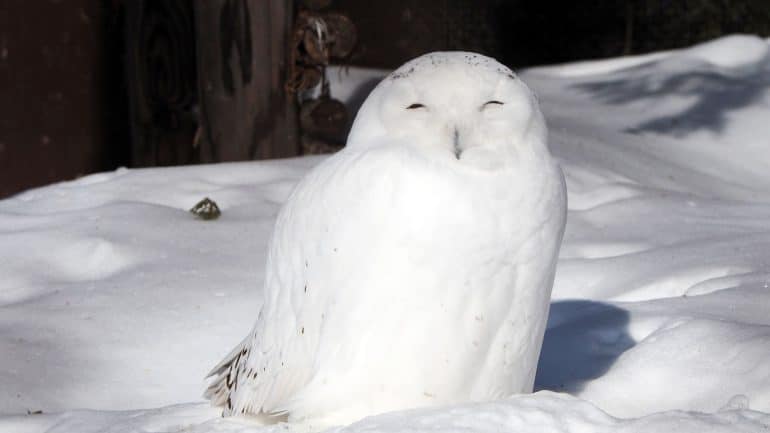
[{"x": 219, "y": 390}]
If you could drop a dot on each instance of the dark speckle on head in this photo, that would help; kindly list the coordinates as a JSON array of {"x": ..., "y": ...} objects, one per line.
[
  {"x": 403, "y": 74},
  {"x": 434, "y": 60}
]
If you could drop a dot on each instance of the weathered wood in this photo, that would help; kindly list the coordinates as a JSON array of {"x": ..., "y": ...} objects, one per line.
[
  {"x": 162, "y": 81},
  {"x": 242, "y": 61},
  {"x": 62, "y": 107}
]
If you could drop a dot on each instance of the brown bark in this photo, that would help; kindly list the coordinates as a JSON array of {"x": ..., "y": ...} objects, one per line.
[{"x": 242, "y": 61}]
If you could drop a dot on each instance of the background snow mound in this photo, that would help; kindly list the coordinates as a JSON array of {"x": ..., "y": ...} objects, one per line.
[
  {"x": 730, "y": 52},
  {"x": 735, "y": 51}
]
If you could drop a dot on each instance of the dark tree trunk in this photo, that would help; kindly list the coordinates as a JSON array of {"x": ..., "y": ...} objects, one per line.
[
  {"x": 162, "y": 81},
  {"x": 242, "y": 48},
  {"x": 629, "y": 36}
]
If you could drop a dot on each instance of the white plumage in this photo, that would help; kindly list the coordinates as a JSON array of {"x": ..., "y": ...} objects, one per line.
[{"x": 415, "y": 266}]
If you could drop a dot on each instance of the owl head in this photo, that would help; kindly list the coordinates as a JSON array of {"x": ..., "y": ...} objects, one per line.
[{"x": 460, "y": 106}]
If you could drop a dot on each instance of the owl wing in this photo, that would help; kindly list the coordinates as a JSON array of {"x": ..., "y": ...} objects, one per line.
[{"x": 276, "y": 359}]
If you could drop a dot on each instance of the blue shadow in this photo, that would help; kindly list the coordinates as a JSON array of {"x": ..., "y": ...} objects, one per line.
[{"x": 582, "y": 341}]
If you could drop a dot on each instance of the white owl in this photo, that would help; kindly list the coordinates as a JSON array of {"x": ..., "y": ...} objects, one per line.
[{"x": 414, "y": 267}]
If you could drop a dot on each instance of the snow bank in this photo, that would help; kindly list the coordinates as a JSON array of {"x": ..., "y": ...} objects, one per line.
[
  {"x": 543, "y": 412},
  {"x": 115, "y": 301},
  {"x": 735, "y": 51},
  {"x": 730, "y": 52}
]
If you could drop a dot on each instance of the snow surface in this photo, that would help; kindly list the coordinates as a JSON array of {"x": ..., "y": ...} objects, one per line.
[{"x": 115, "y": 301}]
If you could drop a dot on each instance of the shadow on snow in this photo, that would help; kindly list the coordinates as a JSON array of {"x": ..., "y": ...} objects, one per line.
[
  {"x": 582, "y": 341},
  {"x": 716, "y": 95}
]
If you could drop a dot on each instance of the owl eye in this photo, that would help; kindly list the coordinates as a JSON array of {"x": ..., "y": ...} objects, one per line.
[
  {"x": 489, "y": 103},
  {"x": 415, "y": 106}
]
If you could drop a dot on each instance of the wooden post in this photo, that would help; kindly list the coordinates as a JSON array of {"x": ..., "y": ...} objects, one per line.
[
  {"x": 242, "y": 48},
  {"x": 62, "y": 109},
  {"x": 161, "y": 81}
]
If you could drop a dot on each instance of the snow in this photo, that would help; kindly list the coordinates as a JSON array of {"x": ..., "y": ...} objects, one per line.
[
  {"x": 732, "y": 52},
  {"x": 115, "y": 301},
  {"x": 545, "y": 412}
]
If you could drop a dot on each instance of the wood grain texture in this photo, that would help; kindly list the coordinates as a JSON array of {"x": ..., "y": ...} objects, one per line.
[{"x": 242, "y": 60}]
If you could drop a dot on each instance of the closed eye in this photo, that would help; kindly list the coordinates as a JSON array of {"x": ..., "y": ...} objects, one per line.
[
  {"x": 490, "y": 103},
  {"x": 415, "y": 106}
]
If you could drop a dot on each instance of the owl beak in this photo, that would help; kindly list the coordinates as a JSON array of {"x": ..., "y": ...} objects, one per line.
[{"x": 456, "y": 143}]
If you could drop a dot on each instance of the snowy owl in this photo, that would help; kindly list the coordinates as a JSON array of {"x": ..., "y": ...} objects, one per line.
[{"x": 414, "y": 267}]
